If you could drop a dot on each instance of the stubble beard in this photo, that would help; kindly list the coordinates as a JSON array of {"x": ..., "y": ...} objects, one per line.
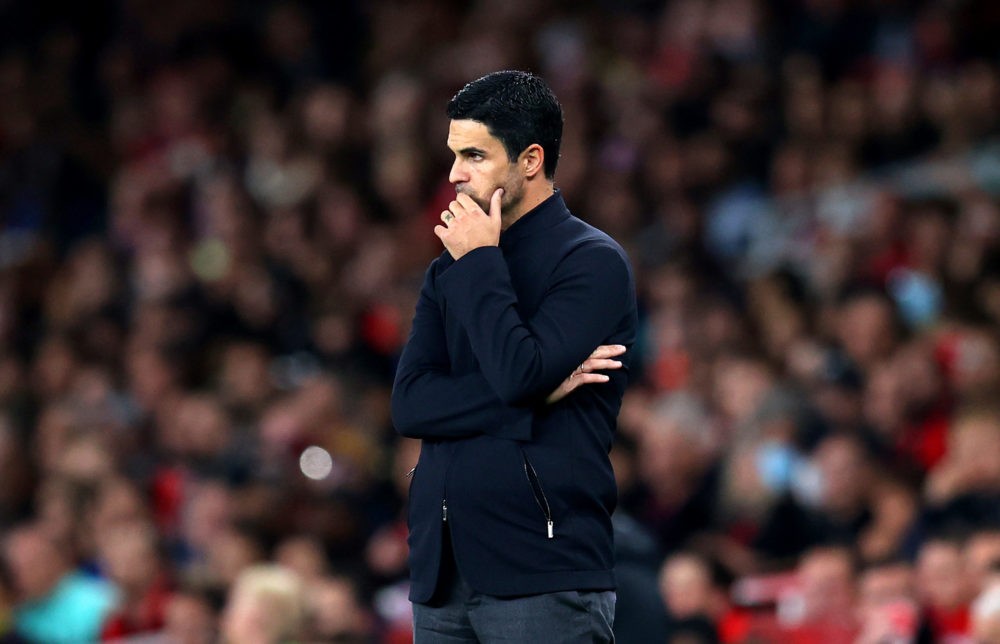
[{"x": 513, "y": 194}]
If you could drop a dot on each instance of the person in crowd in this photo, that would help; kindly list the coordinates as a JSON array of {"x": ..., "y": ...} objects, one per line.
[
  {"x": 130, "y": 558},
  {"x": 267, "y": 605},
  {"x": 55, "y": 601},
  {"x": 943, "y": 589},
  {"x": 694, "y": 603}
]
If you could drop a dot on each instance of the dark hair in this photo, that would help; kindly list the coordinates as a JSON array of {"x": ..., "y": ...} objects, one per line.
[{"x": 518, "y": 108}]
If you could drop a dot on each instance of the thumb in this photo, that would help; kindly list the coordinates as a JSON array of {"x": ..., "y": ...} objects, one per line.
[{"x": 495, "y": 203}]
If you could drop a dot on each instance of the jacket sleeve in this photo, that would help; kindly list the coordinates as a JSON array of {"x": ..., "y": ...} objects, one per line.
[
  {"x": 429, "y": 402},
  {"x": 526, "y": 359}
]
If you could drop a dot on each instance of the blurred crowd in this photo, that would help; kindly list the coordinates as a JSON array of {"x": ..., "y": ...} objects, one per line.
[{"x": 215, "y": 217}]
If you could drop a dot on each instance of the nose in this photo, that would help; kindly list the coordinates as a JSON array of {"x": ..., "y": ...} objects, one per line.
[{"x": 458, "y": 173}]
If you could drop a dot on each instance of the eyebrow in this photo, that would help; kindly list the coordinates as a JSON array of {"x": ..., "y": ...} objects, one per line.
[{"x": 468, "y": 151}]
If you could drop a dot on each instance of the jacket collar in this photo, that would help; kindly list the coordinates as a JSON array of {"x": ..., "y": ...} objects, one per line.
[{"x": 545, "y": 215}]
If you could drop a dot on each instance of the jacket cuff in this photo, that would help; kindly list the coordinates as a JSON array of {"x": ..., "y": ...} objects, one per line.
[{"x": 467, "y": 271}]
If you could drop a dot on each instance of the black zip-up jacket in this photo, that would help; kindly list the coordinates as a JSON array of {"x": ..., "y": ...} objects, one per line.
[{"x": 525, "y": 488}]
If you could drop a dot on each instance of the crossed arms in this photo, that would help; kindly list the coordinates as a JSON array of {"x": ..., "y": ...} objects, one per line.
[{"x": 523, "y": 363}]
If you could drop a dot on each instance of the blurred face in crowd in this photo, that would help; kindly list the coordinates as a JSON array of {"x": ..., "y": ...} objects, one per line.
[
  {"x": 982, "y": 557},
  {"x": 244, "y": 374},
  {"x": 54, "y": 367},
  {"x": 266, "y": 605},
  {"x": 304, "y": 555},
  {"x": 740, "y": 384},
  {"x": 207, "y": 515},
  {"x": 336, "y": 610},
  {"x": 939, "y": 575},
  {"x": 200, "y": 426},
  {"x": 230, "y": 553},
  {"x": 881, "y": 585},
  {"x": 884, "y": 400},
  {"x": 481, "y": 165},
  {"x": 118, "y": 501},
  {"x": 248, "y": 619},
  {"x": 977, "y": 363},
  {"x": 686, "y": 586},
  {"x": 845, "y": 474},
  {"x": 973, "y": 445},
  {"x": 128, "y": 551},
  {"x": 35, "y": 563},
  {"x": 671, "y": 456},
  {"x": 865, "y": 328},
  {"x": 827, "y": 579},
  {"x": 188, "y": 619}
]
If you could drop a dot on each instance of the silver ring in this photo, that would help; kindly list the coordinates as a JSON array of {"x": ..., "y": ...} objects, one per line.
[{"x": 448, "y": 217}]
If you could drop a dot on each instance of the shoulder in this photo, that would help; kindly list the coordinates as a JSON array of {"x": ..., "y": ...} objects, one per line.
[{"x": 588, "y": 243}]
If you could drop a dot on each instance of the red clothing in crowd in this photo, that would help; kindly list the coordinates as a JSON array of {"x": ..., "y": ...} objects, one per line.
[{"x": 147, "y": 615}]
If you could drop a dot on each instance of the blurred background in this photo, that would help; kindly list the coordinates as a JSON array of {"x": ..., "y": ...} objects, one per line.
[{"x": 215, "y": 217}]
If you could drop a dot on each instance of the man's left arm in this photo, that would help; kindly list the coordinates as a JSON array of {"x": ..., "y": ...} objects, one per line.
[{"x": 524, "y": 360}]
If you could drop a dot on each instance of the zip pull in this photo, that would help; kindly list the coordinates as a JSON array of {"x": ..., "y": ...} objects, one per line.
[
  {"x": 536, "y": 488},
  {"x": 444, "y": 510},
  {"x": 410, "y": 473}
]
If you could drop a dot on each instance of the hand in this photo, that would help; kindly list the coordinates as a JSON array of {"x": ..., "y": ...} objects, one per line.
[
  {"x": 601, "y": 358},
  {"x": 467, "y": 227}
]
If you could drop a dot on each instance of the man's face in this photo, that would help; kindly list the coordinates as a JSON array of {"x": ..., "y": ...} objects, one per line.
[{"x": 481, "y": 165}]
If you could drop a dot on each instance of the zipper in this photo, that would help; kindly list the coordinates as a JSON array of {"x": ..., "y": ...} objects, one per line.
[
  {"x": 444, "y": 510},
  {"x": 539, "y": 494}
]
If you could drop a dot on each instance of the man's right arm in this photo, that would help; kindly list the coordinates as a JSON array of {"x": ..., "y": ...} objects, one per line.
[{"x": 429, "y": 402}]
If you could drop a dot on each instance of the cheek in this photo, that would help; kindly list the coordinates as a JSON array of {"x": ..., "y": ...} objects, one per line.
[
  {"x": 487, "y": 174},
  {"x": 514, "y": 179}
]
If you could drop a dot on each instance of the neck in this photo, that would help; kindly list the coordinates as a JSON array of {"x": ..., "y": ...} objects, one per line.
[{"x": 533, "y": 196}]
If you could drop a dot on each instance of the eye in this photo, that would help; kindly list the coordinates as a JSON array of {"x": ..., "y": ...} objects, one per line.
[{"x": 476, "y": 156}]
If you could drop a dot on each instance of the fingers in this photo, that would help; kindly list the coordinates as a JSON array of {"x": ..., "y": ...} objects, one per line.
[
  {"x": 585, "y": 378},
  {"x": 599, "y": 360},
  {"x": 495, "y": 203},
  {"x": 455, "y": 211},
  {"x": 608, "y": 351},
  {"x": 591, "y": 365},
  {"x": 598, "y": 364},
  {"x": 462, "y": 204}
]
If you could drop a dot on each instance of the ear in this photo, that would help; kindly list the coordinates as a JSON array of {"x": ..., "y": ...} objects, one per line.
[{"x": 532, "y": 161}]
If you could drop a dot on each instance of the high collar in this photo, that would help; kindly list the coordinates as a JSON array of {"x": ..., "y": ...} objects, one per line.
[{"x": 545, "y": 215}]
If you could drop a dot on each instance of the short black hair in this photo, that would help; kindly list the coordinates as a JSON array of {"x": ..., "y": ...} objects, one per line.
[{"x": 518, "y": 108}]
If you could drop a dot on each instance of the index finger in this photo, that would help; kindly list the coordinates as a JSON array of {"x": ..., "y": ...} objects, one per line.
[
  {"x": 468, "y": 202},
  {"x": 608, "y": 351}
]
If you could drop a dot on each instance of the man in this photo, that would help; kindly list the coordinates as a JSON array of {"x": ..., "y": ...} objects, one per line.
[
  {"x": 55, "y": 602},
  {"x": 511, "y": 500}
]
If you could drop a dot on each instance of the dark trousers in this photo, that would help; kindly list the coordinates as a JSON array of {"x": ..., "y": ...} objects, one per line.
[{"x": 459, "y": 615}]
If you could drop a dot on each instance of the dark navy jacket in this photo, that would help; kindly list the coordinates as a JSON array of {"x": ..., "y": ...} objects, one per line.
[{"x": 525, "y": 488}]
